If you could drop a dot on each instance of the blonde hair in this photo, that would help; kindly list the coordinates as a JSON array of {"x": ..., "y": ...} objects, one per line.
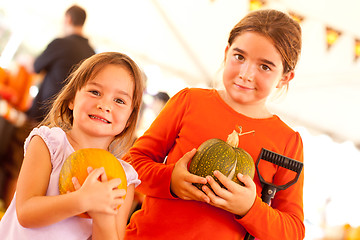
[{"x": 61, "y": 116}]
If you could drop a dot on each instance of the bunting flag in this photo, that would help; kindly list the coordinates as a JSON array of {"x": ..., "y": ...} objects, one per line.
[
  {"x": 357, "y": 49},
  {"x": 296, "y": 17},
  {"x": 332, "y": 36},
  {"x": 256, "y": 4}
]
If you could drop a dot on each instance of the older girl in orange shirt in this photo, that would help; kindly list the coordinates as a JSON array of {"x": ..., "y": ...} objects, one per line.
[{"x": 262, "y": 52}]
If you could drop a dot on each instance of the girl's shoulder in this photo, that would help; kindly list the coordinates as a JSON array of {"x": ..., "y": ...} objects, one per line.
[
  {"x": 53, "y": 137},
  {"x": 281, "y": 124},
  {"x": 197, "y": 91},
  {"x": 195, "y": 94}
]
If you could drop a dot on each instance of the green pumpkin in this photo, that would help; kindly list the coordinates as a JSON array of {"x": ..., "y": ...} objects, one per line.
[{"x": 216, "y": 154}]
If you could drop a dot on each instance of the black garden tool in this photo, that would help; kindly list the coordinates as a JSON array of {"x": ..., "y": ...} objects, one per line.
[{"x": 269, "y": 189}]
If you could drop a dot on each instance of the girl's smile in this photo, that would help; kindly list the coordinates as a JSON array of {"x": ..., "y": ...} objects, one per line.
[
  {"x": 98, "y": 118},
  {"x": 253, "y": 69},
  {"x": 103, "y": 106},
  {"x": 243, "y": 87}
]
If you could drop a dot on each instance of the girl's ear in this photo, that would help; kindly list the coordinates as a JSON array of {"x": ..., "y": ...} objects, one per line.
[
  {"x": 286, "y": 78},
  {"x": 71, "y": 105},
  {"x": 226, "y": 51}
]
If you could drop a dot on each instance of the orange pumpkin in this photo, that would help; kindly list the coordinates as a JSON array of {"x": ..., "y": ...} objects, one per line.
[{"x": 77, "y": 163}]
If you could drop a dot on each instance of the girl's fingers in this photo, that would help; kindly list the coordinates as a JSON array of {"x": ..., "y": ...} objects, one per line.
[
  {"x": 103, "y": 177},
  {"x": 213, "y": 198},
  {"x": 208, "y": 192},
  {"x": 95, "y": 174},
  {"x": 246, "y": 179},
  {"x": 198, "y": 195},
  {"x": 228, "y": 184},
  {"x": 187, "y": 157},
  {"x": 114, "y": 183},
  {"x": 119, "y": 193},
  {"x": 76, "y": 183},
  {"x": 117, "y": 198},
  {"x": 89, "y": 169},
  {"x": 195, "y": 179},
  {"x": 218, "y": 190}
]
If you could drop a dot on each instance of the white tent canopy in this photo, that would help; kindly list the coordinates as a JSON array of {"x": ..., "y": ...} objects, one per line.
[{"x": 181, "y": 43}]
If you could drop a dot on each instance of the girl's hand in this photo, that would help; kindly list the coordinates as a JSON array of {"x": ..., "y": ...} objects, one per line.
[
  {"x": 235, "y": 198},
  {"x": 182, "y": 179},
  {"x": 98, "y": 194}
]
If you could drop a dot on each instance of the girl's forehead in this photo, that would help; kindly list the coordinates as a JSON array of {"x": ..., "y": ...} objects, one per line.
[
  {"x": 254, "y": 40},
  {"x": 253, "y": 35}
]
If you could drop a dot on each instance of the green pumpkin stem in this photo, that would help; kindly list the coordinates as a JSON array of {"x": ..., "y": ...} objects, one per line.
[{"x": 233, "y": 138}]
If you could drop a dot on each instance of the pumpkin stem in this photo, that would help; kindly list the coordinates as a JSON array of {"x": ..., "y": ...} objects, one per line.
[
  {"x": 233, "y": 138},
  {"x": 240, "y": 131}
]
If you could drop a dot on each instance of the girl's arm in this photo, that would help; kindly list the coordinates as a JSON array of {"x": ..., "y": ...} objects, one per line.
[
  {"x": 149, "y": 151},
  {"x": 104, "y": 223},
  {"x": 35, "y": 209},
  {"x": 31, "y": 206},
  {"x": 124, "y": 211}
]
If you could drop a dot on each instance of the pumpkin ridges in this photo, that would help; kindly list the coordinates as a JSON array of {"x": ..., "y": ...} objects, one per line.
[
  {"x": 199, "y": 155},
  {"x": 223, "y": 160},
  {"x": 246, "y": 168},
  {"x": 203, "y": 148},
  {"x": 212, "y": 159},
  {"x": 224, "y": 163},
  {"x": 215, "y": 154}
]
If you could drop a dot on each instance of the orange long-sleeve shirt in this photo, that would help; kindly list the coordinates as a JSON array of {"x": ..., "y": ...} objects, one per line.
[{"x": 191, "y": 117}]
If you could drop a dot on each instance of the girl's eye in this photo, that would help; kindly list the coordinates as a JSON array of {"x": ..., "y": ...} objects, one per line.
[
  {"x": 239, "y": 57},
  {"x": 94, "y": 92},
  {"x": 120, "y": 101},
  {"x": 265, "y": 67}
]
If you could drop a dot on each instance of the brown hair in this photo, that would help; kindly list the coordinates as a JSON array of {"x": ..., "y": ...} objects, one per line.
[
  {"x": 61, "y": 116},
  {"x": 77, "y": 15},
  {"x": 277, "y": 26}
]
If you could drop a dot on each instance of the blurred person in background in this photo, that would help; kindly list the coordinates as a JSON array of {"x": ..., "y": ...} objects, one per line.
[
  {"x": 150, "y": 110},
  {"x": 160, "y": 99},
  {"x": 58, "y": 59},
  {"x": 56, "y": 62}
]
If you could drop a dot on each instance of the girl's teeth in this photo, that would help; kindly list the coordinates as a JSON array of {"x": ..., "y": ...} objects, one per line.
[{"x": 94, "y": 117}]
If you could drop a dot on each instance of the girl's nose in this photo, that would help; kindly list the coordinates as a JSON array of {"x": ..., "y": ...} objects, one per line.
[
  {"x": 246, "y": 73},
  {"x": 104, "y": 107}
]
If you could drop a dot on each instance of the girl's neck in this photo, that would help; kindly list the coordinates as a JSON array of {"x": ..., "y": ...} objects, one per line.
[
  {"x": 255, "y": 110},
  {"x": 79, "y": 141}
]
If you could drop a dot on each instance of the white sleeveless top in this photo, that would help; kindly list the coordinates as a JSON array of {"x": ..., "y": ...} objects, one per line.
[{"x": 71, "y": 228}]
